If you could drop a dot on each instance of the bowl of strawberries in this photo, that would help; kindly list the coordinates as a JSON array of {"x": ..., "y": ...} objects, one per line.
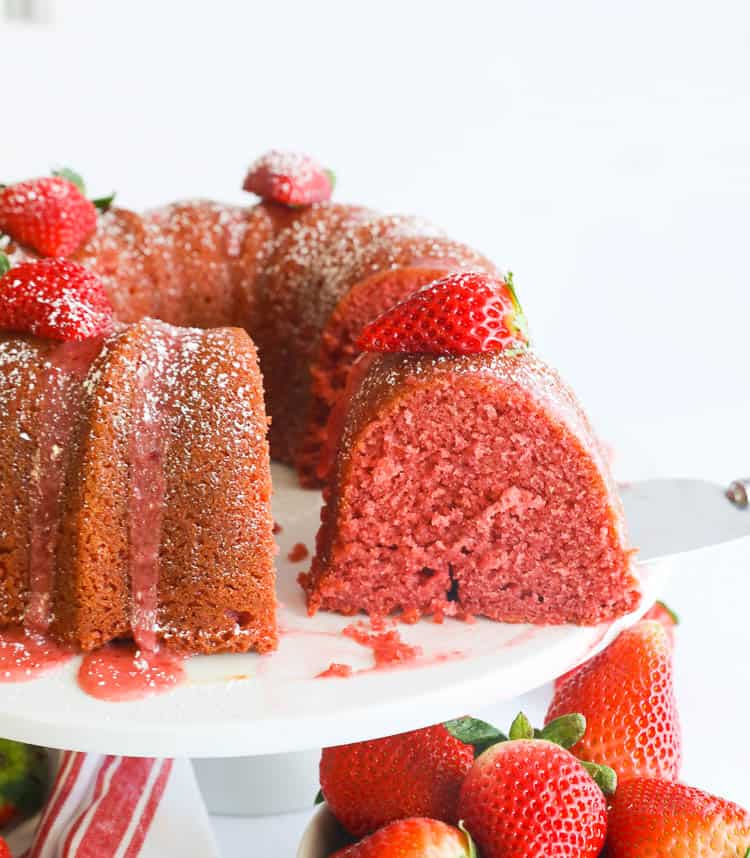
[{"x": 599, "y": 777}]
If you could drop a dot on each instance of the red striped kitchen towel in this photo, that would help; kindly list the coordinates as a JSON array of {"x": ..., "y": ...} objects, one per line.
[{"x": 120, "y": 807}]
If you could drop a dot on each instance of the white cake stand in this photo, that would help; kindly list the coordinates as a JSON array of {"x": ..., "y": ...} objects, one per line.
[{"x": 266, "y": 707}]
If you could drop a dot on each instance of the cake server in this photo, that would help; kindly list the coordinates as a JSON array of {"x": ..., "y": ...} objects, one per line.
[{"x": 673, "y": 516}]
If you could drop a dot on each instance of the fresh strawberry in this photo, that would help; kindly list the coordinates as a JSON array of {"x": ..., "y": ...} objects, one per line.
[
  {"x": 51, "y": 215},
  {"x": 659, "y": 612},
  {"x": 4, "y": 849},
  {"x": 417, "y": 837},
  {"x": 54, "y": 298},
  {"x": 626, "y": 694},
  {"x": 289, "y": 178},
  {"x": 653, "y": 818},
  {"x": 531, "y": 798},
  {"x": 369, "y": 784},
  {"x": 463, "y": 313}
]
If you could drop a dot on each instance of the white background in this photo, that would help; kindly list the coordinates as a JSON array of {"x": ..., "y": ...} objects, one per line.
[{"x": 599, "y": 150}]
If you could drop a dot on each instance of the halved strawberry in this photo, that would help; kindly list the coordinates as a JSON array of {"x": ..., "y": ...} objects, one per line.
[
  {"x": 463, "y": 313},
  {"x": 289, "y": 178},
  {"x": 53, "y": 298}
]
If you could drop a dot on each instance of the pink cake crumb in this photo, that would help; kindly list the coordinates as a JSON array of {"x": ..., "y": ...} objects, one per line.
[
  {"x": 299, "y": 552},
  {"x": 387, "y": 647},
  {"x": 336, "y": 670},
  {"x": 410, "y": 616}
]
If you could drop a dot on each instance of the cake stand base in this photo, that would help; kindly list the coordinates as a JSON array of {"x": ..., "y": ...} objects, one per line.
[{"x": 259, "y": 786}]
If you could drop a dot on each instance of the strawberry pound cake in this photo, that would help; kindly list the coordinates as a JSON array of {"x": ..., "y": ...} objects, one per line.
[{"x": 468, "y": 480}]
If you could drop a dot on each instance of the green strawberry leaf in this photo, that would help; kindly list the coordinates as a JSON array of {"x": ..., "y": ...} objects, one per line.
[
  {"x": 319, "y": 798},
  {"x": 605, "y": 778},
  {"x": 472, "y": 849},
  {"x": 676, "y": 620},
  {"x": 521, "y": 728},
  {"x": 567, "y": 730},
  {"x": 513, "y": 294},
  {"x": 104, "y": 204},
  {"x": 473, "y": 731},
  {"x": 71, "y": 176},
  {"x": 747, "y": 854},
  {"x": 331, "y": 178},
  {"x": 4, "y": 263},
  {"x": 520, "y": 323}
]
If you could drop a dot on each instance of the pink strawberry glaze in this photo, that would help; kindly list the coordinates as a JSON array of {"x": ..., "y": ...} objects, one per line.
[
  {"x": 119, "y": 672},
  {"x": 336, "y": 671},
  {"x": 24, "y": 655},
  {"x": 147, "y": 487},
  {"x": 69, "y": 365}
]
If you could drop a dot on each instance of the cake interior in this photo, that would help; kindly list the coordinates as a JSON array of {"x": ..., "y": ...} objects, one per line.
[{"x": 466, "y": 495}]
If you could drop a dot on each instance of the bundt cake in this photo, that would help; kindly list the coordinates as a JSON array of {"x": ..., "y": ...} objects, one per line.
[
  {"x": 135, "y": 489},
  {"x": 134, "y": 472},
  {"x": 468, "y": 483}
]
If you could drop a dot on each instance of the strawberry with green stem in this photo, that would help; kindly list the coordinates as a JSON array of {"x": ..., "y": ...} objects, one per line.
[
  {"x": 51, "y": 214},
  {"x": 528, "y": 797},
  {"x": 465, "y": 312},
  {"x": 626, "y": 694},
  {"x": 421, "y": 773}
]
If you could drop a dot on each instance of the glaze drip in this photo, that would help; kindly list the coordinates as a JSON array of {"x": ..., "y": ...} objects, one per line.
[
  {"x": 68, "y": 366},
  {"x": 147, "y": 487}
]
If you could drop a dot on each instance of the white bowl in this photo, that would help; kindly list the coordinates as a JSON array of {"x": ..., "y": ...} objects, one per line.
[{"x": 323, "y": 835}]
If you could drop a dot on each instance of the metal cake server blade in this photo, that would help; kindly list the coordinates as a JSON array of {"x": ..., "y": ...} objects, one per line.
[{"x": 673, "y": 516}]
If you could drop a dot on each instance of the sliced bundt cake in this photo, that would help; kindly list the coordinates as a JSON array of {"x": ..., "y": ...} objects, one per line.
[{"x": 468, "y": 481}]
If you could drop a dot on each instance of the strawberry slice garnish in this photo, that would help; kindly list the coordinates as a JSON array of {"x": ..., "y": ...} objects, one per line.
[
  {"x": 463, "y": 313},
  {"x": 53, "y": 298},
  {"x": 289, "y": 178},
  {"x": 51, "y": 215}
]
